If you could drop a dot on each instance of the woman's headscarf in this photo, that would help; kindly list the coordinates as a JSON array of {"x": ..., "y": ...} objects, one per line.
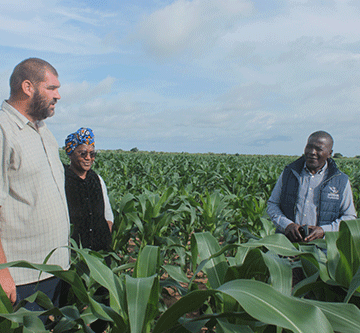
[{"x": 81, "y": 136}]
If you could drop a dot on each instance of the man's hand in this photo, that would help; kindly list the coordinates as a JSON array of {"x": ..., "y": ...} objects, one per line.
[
  {"x": 292, "y": 232},
  {"x": 8, "y": 284},
  {"x": 314, "y": 233}
]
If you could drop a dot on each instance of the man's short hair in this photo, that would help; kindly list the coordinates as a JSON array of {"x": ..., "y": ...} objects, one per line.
[
  {"x": 322, "y": 134},
  {"x": 32, "y": 69}
]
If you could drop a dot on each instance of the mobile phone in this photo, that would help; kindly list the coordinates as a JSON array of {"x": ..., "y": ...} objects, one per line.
[{"x": 304, "y": 231}]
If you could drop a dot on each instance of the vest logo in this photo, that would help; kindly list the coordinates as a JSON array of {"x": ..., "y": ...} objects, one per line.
[{"x": 334, "y": 193}]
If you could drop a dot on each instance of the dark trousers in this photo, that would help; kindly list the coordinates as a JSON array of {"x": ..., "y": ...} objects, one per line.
[{"x": 50, "y": 287}]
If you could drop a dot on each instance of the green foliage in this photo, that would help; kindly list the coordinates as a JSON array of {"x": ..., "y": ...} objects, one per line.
[
  {"x": 249, "y": 291},
  {"x": 178, "y": 216}
]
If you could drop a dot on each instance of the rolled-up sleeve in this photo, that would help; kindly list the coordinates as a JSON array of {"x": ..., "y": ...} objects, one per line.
[{"x": 276, "y": 215}]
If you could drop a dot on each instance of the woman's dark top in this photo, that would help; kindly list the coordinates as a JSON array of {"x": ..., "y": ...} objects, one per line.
[{"x": 86, "y": 209}]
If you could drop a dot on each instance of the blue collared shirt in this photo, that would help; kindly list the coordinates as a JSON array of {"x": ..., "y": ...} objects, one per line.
[{"x": 308, "y": 202}]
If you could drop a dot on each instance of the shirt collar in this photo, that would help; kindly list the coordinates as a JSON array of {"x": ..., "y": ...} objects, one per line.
[
  {"x": 19, "y": 118},
  {"x": 321, "y": 171}
]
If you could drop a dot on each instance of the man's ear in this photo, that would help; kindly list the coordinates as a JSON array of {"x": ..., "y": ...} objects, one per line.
[{"x": 27, "y": 87}]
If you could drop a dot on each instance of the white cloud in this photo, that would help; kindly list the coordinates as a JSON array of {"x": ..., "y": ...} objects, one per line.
[
  {"x": 189, "y": 25},
  {"x": 239, "y": 76},
  {"x": 48, "y": 26}
]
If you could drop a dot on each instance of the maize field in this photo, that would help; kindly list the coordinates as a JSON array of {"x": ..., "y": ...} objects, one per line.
[{"x": 195, "y": 226}]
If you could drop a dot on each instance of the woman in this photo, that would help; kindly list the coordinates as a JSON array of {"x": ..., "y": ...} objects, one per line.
[
  {"x": 89, "y": 207},
  {"x": 88, "y": 202}
]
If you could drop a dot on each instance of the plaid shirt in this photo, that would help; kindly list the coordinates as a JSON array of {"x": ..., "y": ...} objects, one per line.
[{"x": 33, "y": 215}]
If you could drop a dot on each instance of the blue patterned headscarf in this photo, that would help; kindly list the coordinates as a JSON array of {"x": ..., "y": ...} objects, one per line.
[{"x": 80, "y": 137}]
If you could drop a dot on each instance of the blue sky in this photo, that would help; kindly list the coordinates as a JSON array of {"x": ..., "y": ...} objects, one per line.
[{"x": 223, "y": 76}]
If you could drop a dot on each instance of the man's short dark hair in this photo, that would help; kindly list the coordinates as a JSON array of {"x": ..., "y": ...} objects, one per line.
[
  {"x": 322, "y": 134},
  {"x": 32, "y": 69}
]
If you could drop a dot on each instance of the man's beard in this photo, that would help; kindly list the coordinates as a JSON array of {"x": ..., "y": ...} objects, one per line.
[{"x": 39, "y": 108}]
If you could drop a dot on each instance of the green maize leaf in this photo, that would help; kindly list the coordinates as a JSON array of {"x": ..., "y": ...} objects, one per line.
[
  {"x": 86, "y": 315},
  {"x": 148, "y": 262},
  {"x": 5, "y": 304},
  {"x": 5, "y": 325},
  {"x": 242, "y": 318},
  {"x": 354, "y": 229},
  {"x": 232, "y": 261},
  {"x": 309, "y": 264},
  {"x": 41, "y": 299},
  {"x": 138, "y": 291},
  {"x": 190, "y": 325},
  {"x": 96, "y": 267},
  {"x": 27, "y": 318},
  {"x": 164, "y": 198},
  {"x": 68, "y": 276},
  {"x": 123, "y": 267},
  {"x": 176, "y": 273},
  {"x": 347, "y": 244},
  {"x": 128, "y": 197},
  {"x": 226, "y": 327},
  {"x": 103, "y": 275},
  {"x": 344, "y": 318},
  {"x": 306, "y": 285},
  {"x": 314, "y": 261},
  {"x": 174, "y": 243},
  {"x": 152, "y": 310},
  {"x": 133, "y": 217},
  {"x": 280, "y": 272},
  {"x": 241, "y": 255},
  {"x": 253, "y": 267},
  {"x": 333, "y": 255},
  {"x": 33, "y": 324},
  {"x": 204, "y": 245},
  {"x": 6, "y": 308},
  {"x": 354, "y": 286},
  {"x": 71, "y": 318},
  {"x": 278, "y": 243},
  {"x": 104, "y": 312},
  {"x": 186, "y": 304},
  {"x": 264, "y": 303}
]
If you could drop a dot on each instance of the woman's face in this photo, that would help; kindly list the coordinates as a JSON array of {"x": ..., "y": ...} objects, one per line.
[{"x": 82, "y": 158}]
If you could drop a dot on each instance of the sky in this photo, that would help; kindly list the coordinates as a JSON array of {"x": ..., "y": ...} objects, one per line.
[{"x": 221, "y": 76}]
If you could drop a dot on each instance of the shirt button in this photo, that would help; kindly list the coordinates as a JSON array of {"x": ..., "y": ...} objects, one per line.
[{"x": 90, "y": 229}]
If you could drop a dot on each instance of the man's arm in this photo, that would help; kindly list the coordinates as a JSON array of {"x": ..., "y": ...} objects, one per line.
[
  {"x": 276, "y": 215},
  {"x": 6, "y": 280},
  {"x": 288, "y": 227}
]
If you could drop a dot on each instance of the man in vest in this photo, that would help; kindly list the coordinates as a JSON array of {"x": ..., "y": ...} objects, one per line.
[{"x": 312, "y": 196}]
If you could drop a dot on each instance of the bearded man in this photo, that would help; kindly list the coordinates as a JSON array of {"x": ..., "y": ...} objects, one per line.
[{"x": 33, "y": 214}]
